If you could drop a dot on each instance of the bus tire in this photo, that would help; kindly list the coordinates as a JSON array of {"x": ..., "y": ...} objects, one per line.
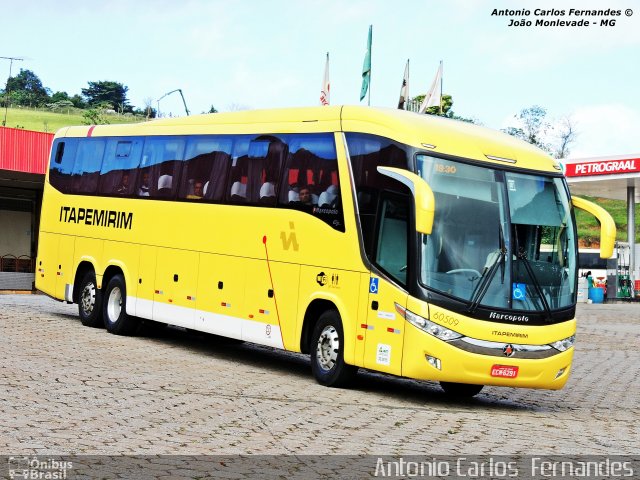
[
  {"x": 460, "y": 390},
  {"x": 115, "y": 315},
  {"x": 327, "y": 352},
  {"x": 90, "y": 301}
]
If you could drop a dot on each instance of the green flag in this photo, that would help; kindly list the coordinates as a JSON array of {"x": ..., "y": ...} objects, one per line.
[{"x": 366, "y": 68}]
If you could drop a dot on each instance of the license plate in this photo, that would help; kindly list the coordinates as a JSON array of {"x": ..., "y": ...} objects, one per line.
[{"x": 506, "y": 371}]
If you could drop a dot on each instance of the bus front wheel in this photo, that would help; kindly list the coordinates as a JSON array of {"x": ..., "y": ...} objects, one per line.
[
  {"x": 327, "y": 352},
  {"x": 460, "y": 390},
  {"x": 115, "y": 315},
  {"x": 90, "y": 301}
]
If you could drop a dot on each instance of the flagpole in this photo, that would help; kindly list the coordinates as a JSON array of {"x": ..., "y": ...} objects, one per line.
[
  {"x": 441, "y": 81},
  {"x": 370, "y": 67},
  {"x": 406, "y": 102}
]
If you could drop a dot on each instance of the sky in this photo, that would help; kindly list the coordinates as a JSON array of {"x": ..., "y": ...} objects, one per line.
[{"x": 271, "y": 53}]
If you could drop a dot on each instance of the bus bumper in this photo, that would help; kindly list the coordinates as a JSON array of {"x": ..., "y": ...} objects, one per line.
[{"x": 423, "y": 354}]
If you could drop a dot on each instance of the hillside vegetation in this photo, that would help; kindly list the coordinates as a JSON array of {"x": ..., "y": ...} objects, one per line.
[
  {"x": 48, "y": 121},
  {"x": 589, "y": 228}
]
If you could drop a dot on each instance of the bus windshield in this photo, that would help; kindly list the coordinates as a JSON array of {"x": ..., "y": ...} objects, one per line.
[{"x": 499, "y": 239}]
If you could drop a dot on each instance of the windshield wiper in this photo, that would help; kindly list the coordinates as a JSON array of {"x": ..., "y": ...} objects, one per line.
[
  {"x": 488, "y": 273},
  {"x": 525, "y": 261}
]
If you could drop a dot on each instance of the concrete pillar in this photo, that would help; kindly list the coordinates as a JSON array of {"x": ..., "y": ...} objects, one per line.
[{"x": 631, "y": 227}]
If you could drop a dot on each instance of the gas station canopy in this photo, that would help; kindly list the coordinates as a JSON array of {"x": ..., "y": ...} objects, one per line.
[
  {"x": 606, "y": 177},
  {"x": 615, "y": 177}
]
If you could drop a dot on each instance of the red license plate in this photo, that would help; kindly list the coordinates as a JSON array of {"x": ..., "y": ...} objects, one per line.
[{"x": 506, "y": 371}]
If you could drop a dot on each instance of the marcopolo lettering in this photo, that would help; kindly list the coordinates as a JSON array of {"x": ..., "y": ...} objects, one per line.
[
  {"x": 512, "y": 318},
  {"x": 98, "y": 218}
]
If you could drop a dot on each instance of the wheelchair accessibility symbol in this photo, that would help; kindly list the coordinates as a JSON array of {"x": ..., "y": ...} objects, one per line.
[
  {"x": 519, "y": 291},
  {"x": 373, "y": 286}
]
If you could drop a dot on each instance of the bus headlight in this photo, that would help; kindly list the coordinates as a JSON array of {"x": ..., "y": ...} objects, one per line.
[
  {"x": 428, "y": 326},
  {"x": 564, "y": 345}
]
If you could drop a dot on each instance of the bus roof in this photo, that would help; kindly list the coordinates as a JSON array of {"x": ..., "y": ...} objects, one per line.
[{"x": 427, "y": 132}]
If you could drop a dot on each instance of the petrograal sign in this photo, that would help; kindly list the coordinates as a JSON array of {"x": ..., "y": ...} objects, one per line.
[{"x": 603, "y": 167}]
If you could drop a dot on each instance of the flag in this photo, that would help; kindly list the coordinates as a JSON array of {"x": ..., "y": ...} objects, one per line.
[
  {"x": 404, "y": 90},
  {"x": 366, "y": 68},
  {"x": 324, "y": 90},
  {"x": 432, "y": 98}
]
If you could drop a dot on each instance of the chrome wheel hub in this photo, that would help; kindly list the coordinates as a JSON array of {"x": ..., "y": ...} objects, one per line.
[
  {"x": 328, "y": 348},
  {"x": 114, "y": 305},
  {"x": 88, "y": 298}
]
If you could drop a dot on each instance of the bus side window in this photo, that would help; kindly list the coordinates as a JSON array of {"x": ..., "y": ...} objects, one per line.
[
  {"x": 61, "y": 164},
  {"x": 255, "y": 170},
  {"x": 236, "y": 191},
  {"x": 86, "y": 168},
  {"x": 162, "y": 158},
  {"x": 367, "y": 153},
  {"x": 120, "y": 166},
  {"x": 310, "y": 179},
  {"x": 204, "y": 172},
  {"x": 391, "y": 244}
]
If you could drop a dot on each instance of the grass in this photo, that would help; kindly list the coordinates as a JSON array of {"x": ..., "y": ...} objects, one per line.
[
  {"x": 589, "y": 228},
  {"x": 44, "y": 120}
]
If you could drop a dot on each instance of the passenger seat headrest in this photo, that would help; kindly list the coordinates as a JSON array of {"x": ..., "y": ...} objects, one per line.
[
  {"x": 165, "y": 181},
  {"x": 239, "y": 189},
  {"x": 267, "y": 190}
]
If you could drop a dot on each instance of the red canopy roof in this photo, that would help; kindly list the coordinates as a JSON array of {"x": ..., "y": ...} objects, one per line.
[{"x": 24, "y": 150}]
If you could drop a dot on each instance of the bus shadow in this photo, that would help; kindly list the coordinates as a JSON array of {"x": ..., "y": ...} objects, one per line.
[{"x": 394, "y": 391}]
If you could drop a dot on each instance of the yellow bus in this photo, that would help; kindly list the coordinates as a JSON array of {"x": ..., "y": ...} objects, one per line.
[{"x": 376, "y": 238}]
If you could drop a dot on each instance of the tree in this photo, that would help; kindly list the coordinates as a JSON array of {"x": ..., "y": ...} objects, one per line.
[
  {"x": 61, "y": 105},
  {"x": 566, "y": 134},
  {"x": 59, "y": 97},
  {"x": 94, "y": 116},
  {"x": 212, "y": 110},
  {"x": 78, "y": 101},
  {"x": 532, "y": 127},
  {"x": 26, "y": 89},
  {"x": 447, "y": 104},
  {"x": 148, "y": 111},
  {"x": 113, "y": 93}
]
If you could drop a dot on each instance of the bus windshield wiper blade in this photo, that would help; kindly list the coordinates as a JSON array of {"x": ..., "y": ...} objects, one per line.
[
  {"x": 525, "y": 261},
  {"x": 483, "y": 286},
  {"x": 487, "y": 275}
]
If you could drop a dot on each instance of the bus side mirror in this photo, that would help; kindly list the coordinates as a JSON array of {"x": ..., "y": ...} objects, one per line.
[
  {"x": 425, "y": 203},
  {"x": 607, "y": 225}
]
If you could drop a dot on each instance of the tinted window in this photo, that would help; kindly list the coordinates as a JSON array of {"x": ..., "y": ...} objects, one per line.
[
  {"x": 266, "y": 157},
  {"x": 63, "y": 155},
  {"x": 120, "y": 166},
  {"x": 160, "y": 166},
  {"x": 310, "y": 179},
  {"x": 86, "y": 168},
  {"x": 239, "y": 173},
  {"x": 391, "y": 248},
  {"x": 255, "y": 169},
  {"x": 367, "y": 153},
  {"x": 204, "y": 174}
]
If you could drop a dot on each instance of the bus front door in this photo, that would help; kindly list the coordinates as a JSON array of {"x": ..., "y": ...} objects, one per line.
[{"x": 384, "y": 330}]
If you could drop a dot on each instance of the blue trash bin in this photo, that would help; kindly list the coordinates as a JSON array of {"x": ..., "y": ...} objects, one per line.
[{"x": 596, "y": 294}]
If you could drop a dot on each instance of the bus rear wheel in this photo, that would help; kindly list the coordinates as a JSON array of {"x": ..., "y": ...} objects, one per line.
[
  {"x": 327, "y": 352},
  {"x": 115, "y": 315},
  {"x": 460, "y": 390},
  {"x": 90, "y": 301}
]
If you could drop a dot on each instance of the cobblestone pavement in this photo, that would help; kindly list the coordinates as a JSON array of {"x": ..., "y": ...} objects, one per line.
[{"x": 67, "y": 389}]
